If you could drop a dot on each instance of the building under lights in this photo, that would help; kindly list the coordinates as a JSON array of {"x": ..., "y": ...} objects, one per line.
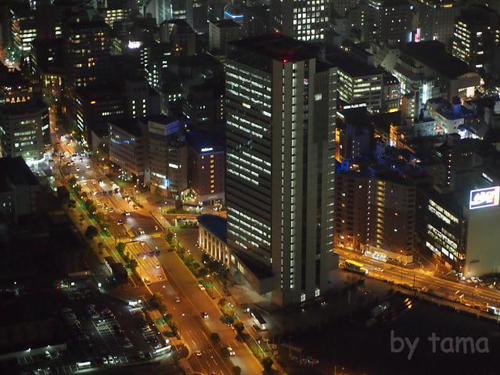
[
  {"x": 280, "y": 115},
  {"x": 425, "y": 71},
  {"x": 24, "y": 129},
  {"x": 375, "y": 213},
  {"x": 302, "y": 20},
  {"x": 115, "y": 11},
  {"x": 475, "y": 36},
  {"x": 436, "y": 19},
  {"x": 127, "y": 146},
  {"x": 167, "y": 156},
  {"x": 383, "y": 21},
  {"x": 164, "y": 10},
  {"x": 452, "y": 229},
  {"x": 23, "y": 29},
  {"x": 87, "y": 53},
  {"x": 24, "y": 118},
  {"x": 207, "y": 169},
  {"x": 359, "y": 83}
]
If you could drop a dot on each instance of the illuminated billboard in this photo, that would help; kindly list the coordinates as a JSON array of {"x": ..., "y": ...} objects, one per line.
[{"x": 488, "y": 197}]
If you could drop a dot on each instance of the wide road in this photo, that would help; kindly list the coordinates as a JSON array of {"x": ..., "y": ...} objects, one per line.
[
  {"x": 195, "y": 330},
  {"x": 206, "y": 356},
  {"x": 468, "y": 294}
]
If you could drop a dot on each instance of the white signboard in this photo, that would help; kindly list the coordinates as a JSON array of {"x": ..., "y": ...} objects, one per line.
[{"x": 488, "y": 197}]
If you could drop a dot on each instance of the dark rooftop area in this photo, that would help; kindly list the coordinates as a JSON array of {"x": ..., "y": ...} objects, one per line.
[
  {"x": 227, "y": 23},
  {"x": 14, "y": 171},
  {"x": 215, "y": 224},
  {"x": 277, "y": 47},
  {"x": 131, "y": 126},
  {"x": 351, "y": 65},
  {"x": 433, "y": 54}
]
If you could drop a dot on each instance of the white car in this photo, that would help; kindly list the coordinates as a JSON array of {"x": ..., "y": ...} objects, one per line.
[
  {"x": 201, "y": 286},
  {"x": 230, "y": 351}
]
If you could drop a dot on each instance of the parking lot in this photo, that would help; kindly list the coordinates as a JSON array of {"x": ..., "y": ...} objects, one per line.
[{"x": 101, "y": 331}]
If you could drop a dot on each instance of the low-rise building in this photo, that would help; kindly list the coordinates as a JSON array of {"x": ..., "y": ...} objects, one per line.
[
  {"x": 206, "y": 167},
  {"x": 19, "y": 189},
  {"x": 212, "y": 237},
  {"x": 358, "y": 82},
  {"x": 127, "y": 146},
  {"x": 427, "y": 71}
]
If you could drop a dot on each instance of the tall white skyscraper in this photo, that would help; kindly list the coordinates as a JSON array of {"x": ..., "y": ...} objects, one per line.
[
  {"x": 280, "y": 110},
  {"x": 302, "y": 19}
]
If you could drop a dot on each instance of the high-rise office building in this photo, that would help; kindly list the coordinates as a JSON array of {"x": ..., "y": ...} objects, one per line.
[
  {"x": 24, "y": 129},
  {"x": 24, "y": 117},
  {"x": 303, "y": 20},
  {"x": 475, "y": 36},
  {"x": 393, "y": 20},
  {"x": 197, "y": 14},
  {"x": 375, "y": 211},
  {"x": 280, "y": 112},
  {"x": 165, "y": 10},
  {"x": 220, "y": 33},
  {"x": 383, "y": 21},
  {"x": 87, "y": 52},
  {"x": 114, "y": 11},
  {"x": 167, "y": 160},
  {"x": 435, "y": 19},
  {"x": 342, "y": 7},
  {"x": 23, "y": 29}
]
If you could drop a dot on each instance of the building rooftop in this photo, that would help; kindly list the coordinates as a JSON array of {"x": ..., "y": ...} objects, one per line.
[
  {"x": 162, "y": 119},
  {"x": 15, "y": 172},
  {"x": 277, "y": 47},
  {"x": 227, "y": 23},
  {"x": 131, "y": 126},
  {"x": 351, "y": 65},
  {"x": 11, "y": 77},
  {"x": 215, "y": 224},
  {"x": 433, "y": 54},
  {"x": 205, "y": 142}
]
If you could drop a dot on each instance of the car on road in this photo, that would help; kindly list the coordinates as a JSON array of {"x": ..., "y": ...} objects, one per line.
[
  {"x": 177, "y": 299},
  {"x": 126, "y": 213},
  {"x": 201, "y": 287},
  {"x": 230, "y": 351},
  {"x": 198, "y": 353},
  {"x": 204, "y": 315},
  {"x": 127, "y": 344}
]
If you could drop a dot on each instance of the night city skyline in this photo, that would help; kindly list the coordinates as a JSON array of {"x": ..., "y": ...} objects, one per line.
[{"x": 250, "y": 187}]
